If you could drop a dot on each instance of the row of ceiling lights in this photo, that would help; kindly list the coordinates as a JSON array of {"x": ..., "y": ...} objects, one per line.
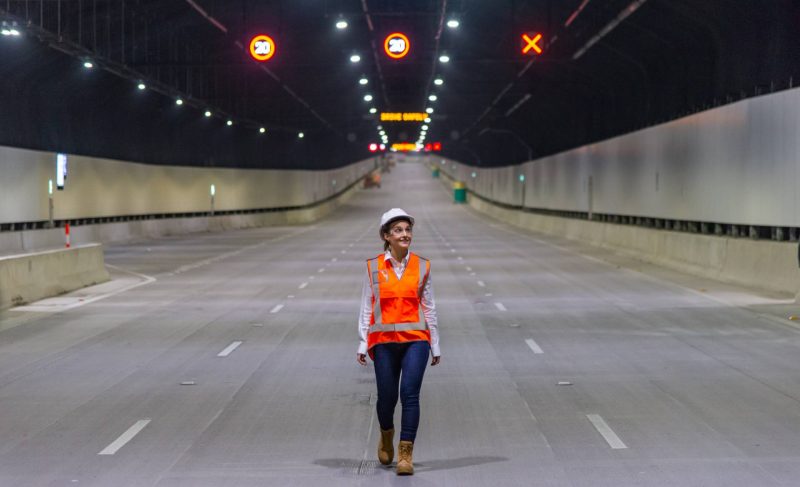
[
  {"x": 88, "y": 64},
  {"x": 355, "y": 58}
]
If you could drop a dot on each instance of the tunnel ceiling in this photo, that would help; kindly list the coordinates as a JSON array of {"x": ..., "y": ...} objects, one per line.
[{"x": 607, "y": 67}]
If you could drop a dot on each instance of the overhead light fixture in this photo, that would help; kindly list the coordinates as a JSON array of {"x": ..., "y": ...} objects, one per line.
[
  {"x": 262, "y": 130},
  {"x": 179, "y": 101},
  {"x": 438, "y": 81},
  {"x": 208, "y": 113},
  {"x": 432, "y": 98},
  {"x": 229, "y": 123},
  {"x": 367, "y": 97},
  {"x": 429, "y": 110},
  {"x": 88, "y": 64},
  {"x": 373, "y": 110},
  {"x": 363, "y": 81},
  {"x": 453, "y": 23},
  {"x": 427, "y": 120},
  {"x": 141, "y": 86},
  {"x": 341, "y": 24},
  {"x": 355, "y": 58},
  {"x": 444, "y": 58},
  {"x": 424, "y": 127},
  {"x": 300, "y": 135}
]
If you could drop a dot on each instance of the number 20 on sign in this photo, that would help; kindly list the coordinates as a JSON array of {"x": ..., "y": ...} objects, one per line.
[
  {"x": 262, "y": 47},
  {"x": 396, "y": 45}
]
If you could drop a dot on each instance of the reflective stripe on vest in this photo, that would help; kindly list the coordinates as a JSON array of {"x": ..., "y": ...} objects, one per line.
[{"x": 379, "y": 325}]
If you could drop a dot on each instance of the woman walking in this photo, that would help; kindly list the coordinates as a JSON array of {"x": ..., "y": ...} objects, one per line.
[{"x": 398, "y": 329}]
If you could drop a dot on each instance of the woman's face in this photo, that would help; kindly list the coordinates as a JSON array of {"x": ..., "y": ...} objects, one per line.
[{"x": 399, "y": 235}]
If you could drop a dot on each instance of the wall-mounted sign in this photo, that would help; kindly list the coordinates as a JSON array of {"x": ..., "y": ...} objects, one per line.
[
  {"x": 403, "y": 116},
  {"x": 61, "y": 170},
  {"x": 529, "y": 43},
  {"x": 396, "y": 45},
  {"x": 262, "y": 47}
]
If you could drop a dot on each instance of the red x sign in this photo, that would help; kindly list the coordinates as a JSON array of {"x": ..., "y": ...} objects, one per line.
[{"x": 529, "y": 41}]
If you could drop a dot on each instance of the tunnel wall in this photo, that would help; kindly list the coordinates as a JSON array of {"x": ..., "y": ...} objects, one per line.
[
  {"x": 735, "y": 164},
  {"x": 98, "y": 187}
]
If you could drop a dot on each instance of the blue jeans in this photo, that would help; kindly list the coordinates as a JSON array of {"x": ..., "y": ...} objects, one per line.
[{"x": 393, "y": 360}]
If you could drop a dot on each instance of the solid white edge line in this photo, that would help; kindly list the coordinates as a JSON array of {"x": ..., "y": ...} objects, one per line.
[
  {"x": 608, "y": 434},
  {"x": 229, "y": 349},
  {"x": 533, "y": 345},
  {"x": 125, "y": 437},
  {"x": 302, "y": 286},
  {"x": 500, "y": 306},
  {"x": 276, "y": 308}
]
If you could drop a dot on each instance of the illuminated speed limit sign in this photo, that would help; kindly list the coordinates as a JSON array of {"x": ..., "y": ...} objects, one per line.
[
  {"x": 396, "y": 45},
  {"x": 262, "y": 47}
]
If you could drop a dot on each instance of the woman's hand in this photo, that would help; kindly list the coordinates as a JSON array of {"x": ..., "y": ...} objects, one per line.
[
  {"x": 361, "y": 358},
  {"x": 436, "y": 360}
]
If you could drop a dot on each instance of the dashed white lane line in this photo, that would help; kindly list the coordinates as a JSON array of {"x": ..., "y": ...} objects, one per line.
[
  {"x": 460, "y": 258},
  {"x": 334, "y": 259},
  {"x": 229, "y": 349},
  {"x": 534, "y": 346},
  {"x": 350, "y": 245},
  {"x": 452, "y": 250},
  {"x": 321, "y": 269},
  {"x": 344, "y": 251},
  {"x": 312, "y": 277},
  {"x": 125, "y": 437},
  {"x": 472, "y": 274},
  {"x": 303, "y": 285},
  {"x": 291, "y": 296},
  {"x": 469, "y": 268},
  {"x": 500, "y": 306},
  {"x": 481, "y": 284},
  {"x": 276, "y": 308},
  {"x": 608, "y": 434}
]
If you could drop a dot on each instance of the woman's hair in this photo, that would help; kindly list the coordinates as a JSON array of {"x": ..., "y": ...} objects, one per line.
[{"x": 388, "y": 226}]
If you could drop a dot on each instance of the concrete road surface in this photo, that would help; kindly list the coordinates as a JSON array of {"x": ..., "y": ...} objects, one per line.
[{"x": 228, "y": 359}]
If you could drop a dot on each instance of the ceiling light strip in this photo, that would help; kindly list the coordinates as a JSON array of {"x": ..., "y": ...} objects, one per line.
[
  {"x": 633, "y": 7},
  {"x": 263, "y": 68}
]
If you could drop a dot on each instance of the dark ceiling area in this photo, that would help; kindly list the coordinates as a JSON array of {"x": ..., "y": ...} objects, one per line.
[{"x": 607, "y": 67}]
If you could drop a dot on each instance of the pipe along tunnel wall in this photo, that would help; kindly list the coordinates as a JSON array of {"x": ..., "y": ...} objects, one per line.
[
  {"x": 111, "y": 201},
  {"x": 714, "y": 194}
]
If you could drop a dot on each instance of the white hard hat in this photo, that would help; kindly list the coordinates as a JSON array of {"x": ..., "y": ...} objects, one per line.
[{"x": 394, "y": 214}]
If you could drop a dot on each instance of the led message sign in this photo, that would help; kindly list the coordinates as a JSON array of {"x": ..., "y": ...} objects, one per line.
[
  {"x": 396, "y": 45},
  {"x": 404, "y": 146},
  {"x": 262, "y": 47},
  {"x": 403, "y": 116},
  {"x": 529, "y": 43}
]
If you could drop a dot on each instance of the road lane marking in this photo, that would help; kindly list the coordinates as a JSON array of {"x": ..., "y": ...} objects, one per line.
[
  {"x": 276, "y": 308},
  {"x": 472, "y": 274},
  {"x": 608, "y": 434},
  {"x": 302, "y": 286},
  {"x": 534, "y": 346},
  {"x": 334, "y": 259},
  {"x": 469, "y": 268},
  {"x": 481, "y": 284},
  {"x": 321, "y": 270},
  {"x": 125, "y": 437},
  {"x": 460, "y": 258},
  {"x": 500, "y": 306},
  {"x": 311, "y": 277},
  {"x": 229, "y": 349},
  {"x": 452, "y": 250}
]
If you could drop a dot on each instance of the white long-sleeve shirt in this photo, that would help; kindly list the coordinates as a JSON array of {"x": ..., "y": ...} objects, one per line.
[{"x": 427, "y": 302}]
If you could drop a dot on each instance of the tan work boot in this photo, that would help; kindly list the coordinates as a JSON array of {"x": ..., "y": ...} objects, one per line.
[
  {"x": 385, "y": 447},
  {"x": 405, "y": 465}
]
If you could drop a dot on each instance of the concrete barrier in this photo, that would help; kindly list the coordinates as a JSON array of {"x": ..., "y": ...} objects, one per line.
[
  {"x": 763, "y": 264},
  {"x": 29, "y": 240},
  {"x": 29, "y": 277}
]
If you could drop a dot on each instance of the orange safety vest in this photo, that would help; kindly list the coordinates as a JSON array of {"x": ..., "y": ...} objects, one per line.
[{"x": 396, "y": 311}]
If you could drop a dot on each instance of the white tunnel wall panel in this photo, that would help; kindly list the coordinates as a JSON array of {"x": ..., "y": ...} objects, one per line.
[
  {"x": 101, "y": 187},
  {"x": 734, "y": 164}
]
